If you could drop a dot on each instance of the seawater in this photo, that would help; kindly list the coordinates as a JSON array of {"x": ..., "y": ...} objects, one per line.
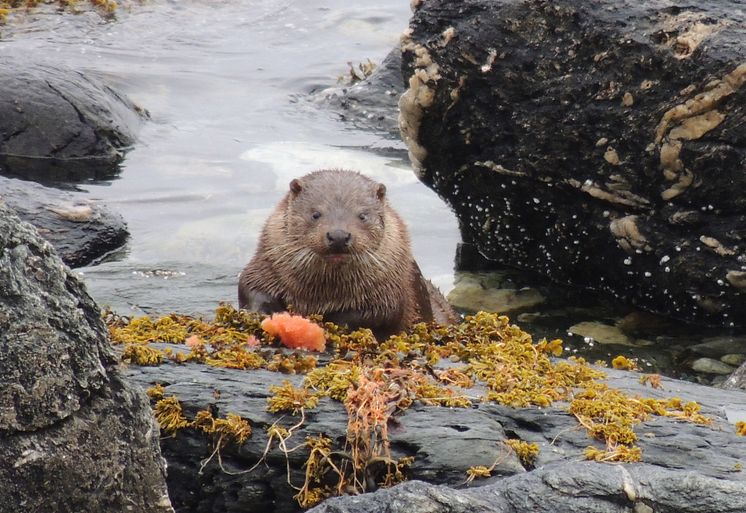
[{"x": 222, "y": 81}]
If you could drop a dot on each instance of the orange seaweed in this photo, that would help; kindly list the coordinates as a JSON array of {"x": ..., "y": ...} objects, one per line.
[{"x": 295, "y": 332}]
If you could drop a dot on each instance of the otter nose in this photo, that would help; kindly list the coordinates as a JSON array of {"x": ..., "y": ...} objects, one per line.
[{"x": 338, "y": 240}]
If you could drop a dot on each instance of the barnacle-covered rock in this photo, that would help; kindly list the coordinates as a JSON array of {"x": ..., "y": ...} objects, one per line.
[
  {"x": 600, "y": 143},
  {"x": 75, "y": 436}
]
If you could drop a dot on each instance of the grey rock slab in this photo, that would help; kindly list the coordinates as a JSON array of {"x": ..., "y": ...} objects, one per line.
[
  {"x": 445, "y": 442},
  {"x": 580, "y": 487}
]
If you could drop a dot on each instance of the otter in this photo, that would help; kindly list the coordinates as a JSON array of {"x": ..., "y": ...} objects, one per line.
[{"x": 334, "y": 246}]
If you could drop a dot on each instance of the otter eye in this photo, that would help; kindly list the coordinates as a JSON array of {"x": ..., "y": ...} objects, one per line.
[
  {"x": 363, "y": 216},
  {"x": 315, "y": 215}
]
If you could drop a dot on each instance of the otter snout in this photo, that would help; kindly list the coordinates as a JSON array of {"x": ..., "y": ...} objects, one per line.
[{"x": 338, "y": 241}]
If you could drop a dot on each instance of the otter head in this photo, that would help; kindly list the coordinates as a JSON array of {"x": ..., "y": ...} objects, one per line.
[{"x": 338, "y": 215}]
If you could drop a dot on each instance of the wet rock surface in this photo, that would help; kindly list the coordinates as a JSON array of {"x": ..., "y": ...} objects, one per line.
[
  {"x": 59, "y": 125},
  {"x": 370, "y": 104},
  {"x": 611, "y": 489},
  {"x": 737, "y": 380},
  {"x": 601, "y": 144},
  {"x": 686, "y": 467},
  {"x": 75, "y": 436},
  {"x": 81, "y": 230}
]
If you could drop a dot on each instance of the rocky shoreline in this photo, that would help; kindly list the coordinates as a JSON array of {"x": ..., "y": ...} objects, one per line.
[{"x": 477, "y": 121}]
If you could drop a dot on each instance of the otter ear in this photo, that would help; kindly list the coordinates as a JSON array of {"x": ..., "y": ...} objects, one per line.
[
  {"x": 296, "y": 186},
  {"x": 380, "y": 191}
]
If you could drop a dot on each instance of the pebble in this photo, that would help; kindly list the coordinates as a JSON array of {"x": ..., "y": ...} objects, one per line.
[
  {"x": 470, "y": 293},
  {"x": 715, "y": 347},
  {"x": 734, "y": 359},
  {"x": 605, "y": 334},
  {"x": 711, "y": 366}
]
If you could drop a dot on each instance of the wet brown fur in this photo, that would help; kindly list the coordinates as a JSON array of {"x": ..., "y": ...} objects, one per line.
[{"x": 379, "y": 285}]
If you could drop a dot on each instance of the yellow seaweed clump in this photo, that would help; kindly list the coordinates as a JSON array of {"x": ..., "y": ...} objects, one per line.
[
  {"x": 293, "y": 363},
  {"x": 333, "y": 380},
  {"x": 478, "y": 472},
  {"x": 141, "y": 354},
  {"x": 527, "y": 452},
  {"x": 623, "y": 363},
  {"x": 232, "y": 341},
  {"x": 516, "y": 372},
  {"x": 143, "y": 330},
  {"x": 313, "y": 490},
  {"x": 617, "y": 453},
  {"x": 169, "y": 415},
  {"x": 287, "y": 398},
  {"x": 610, "y": 415},
  {"x": 103, "y": 7},
  {"x": 232, "y": 427},
  {"x": 235, "y": 357},
  {"x": 156, "y": 392},
  {"x": 741, "y": 428}
]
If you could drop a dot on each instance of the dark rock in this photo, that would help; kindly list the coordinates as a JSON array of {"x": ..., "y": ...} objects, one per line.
[
  {"x": 75, "y": 437},
  {"x": 60, "y": 125},
  {"x": 715, "y": 347},
  {"x": 81, "y": 230},
  {"x": 370, "y": 104},
  {"x": 468, "y": 258},
  {"x": 600, "y": 143},
  {"x": 686, "y": 466}
]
